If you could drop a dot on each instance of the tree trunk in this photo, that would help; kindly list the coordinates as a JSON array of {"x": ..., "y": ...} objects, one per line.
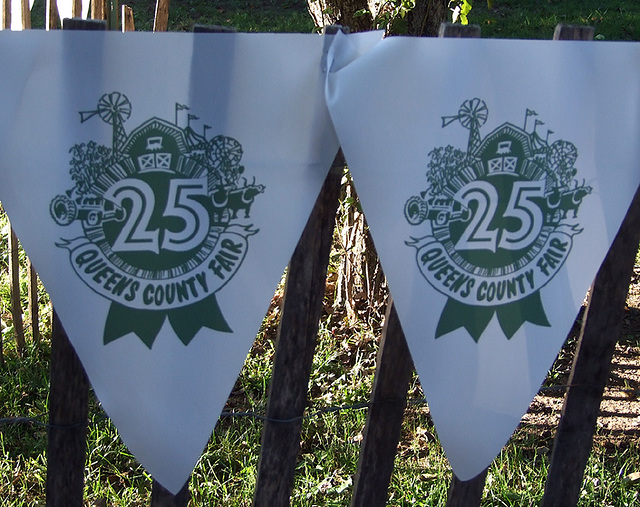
[
  {"x": 426, "y": 17},
  {"x": 361, "y": 15},
  {"x": 354, "y": 14}
]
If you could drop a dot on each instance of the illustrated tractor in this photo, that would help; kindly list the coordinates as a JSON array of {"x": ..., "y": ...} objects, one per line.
[
  {"x": 439, "y": 210},
  {"x": 92, "y": 210}
]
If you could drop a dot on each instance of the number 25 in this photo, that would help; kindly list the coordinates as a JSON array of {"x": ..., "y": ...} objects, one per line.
[{"x": 182, "y": 203}]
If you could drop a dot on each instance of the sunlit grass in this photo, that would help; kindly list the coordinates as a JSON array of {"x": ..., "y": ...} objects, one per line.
[{"x": 534, "y": 19}]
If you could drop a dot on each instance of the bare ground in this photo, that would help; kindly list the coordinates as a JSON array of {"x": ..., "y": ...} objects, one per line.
[{"x": 619, "y": 420}]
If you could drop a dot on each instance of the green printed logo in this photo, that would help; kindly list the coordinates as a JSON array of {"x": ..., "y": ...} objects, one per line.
[
  {"x": 165, "y": 214},
  {"x": 496, "y": 222}
]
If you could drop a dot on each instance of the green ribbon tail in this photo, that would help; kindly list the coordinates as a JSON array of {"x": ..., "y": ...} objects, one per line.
[
  {"x": 146, "y": 324},
  {"x": 188, "y": 320},
  {"x": 122, "y": 320},
  {"x": 511, "y": 316},
  {"x": 474, "y": 319}
]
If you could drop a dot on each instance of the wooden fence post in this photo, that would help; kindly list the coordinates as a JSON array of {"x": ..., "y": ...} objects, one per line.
[
  {"x": 32, "y": 295},
  {"x": 99, "y": 10},
  {"x": 14, "y": 290},
  {"x": 464, "y": 493},
  {"x": 592, "y": 362},
  {"x": 6, "y": 14},
  {"x": 52, "y": 18},
  {"x": 76, "y": 8},
  {"x": 468, "y": 493},
  {"x": 127, "y": 19},
  {"x": 68, "y": 413},
  {"x": 68, "y": 398},
  {"x": 161, "y": 19},
  {"x": 161, "y": 497},
  {"x": 591, "y": 366},
  {"x": 388, "y": 397},
  {"x": 26, "y": 15},
  {"x": 14, "y": 268},
  {"x": 298, "y": 328},
  {"x": 384, "y": 420}
]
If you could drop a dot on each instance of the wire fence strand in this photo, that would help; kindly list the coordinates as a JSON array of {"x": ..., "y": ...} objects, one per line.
[{"x": 37, "y": 420}]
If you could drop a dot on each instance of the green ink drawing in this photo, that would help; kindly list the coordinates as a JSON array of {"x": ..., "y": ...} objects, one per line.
[
  {"x": 496, "y": 222},
  {"x": 164, "y": 218}
]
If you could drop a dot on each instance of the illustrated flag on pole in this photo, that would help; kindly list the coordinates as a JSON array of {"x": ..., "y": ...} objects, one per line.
[
  {"x": 490, "y": 228},
  {"x": 159, "y": 183}
]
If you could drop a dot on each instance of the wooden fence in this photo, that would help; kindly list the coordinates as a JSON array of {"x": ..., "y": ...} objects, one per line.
[{"x": 302, "y": 306}]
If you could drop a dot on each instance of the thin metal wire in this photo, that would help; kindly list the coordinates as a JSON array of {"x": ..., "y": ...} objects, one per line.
[{"x": 12, "y": 421}]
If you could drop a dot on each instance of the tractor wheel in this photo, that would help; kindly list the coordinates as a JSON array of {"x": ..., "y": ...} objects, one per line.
[{"x": 415, "y": 210}]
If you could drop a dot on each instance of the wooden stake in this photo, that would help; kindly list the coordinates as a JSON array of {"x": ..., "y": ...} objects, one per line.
[
  {"x": 464, "y": 493},
  {"x": 52, "y": 18},
  {"x": 84, "y": 24},
  {"x": 161, "y": 20},
  {"x": 393, "y": 373},
  {"x": 16, "y": 305},
  {"x": 26, "y": 15},
  {"x": 161, "y": 497},
  {"x": 296, "y": 342},
  {"x": 34, "y": 310},
  {"x": 76, "y": 9},
  {"x": 127, "y": 19},
  {"x": 98, "y": 10},
  {"x": 68, "y": 412},
  {"x": 458, "y": 31},
  {"x": 591, "y": 365},
  {"x": 6, "y": 14},
  {"x": 384, "y": 421},
  {"x": 68, "y": 399},
  {"x": 573, "y": 32},
  {"x": 601, "y": 330}
]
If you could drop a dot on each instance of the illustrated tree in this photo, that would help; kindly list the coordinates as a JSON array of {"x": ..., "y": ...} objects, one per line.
[
  {"x": 87, "y": 163},
  {"x": 224, "y": 155},
  {"x": 442, "y": 167},
  {"x": 561, "y": 156}
]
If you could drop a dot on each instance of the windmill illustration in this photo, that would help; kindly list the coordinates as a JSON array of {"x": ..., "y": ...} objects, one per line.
[
  {"x": 113, "y": 108},
  {"x": 472, "y": 115}
]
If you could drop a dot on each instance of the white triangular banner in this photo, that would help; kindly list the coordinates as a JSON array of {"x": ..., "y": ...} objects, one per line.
[
  {"x": 494, "y": 176},
  {"x": 159, "y": 183}
]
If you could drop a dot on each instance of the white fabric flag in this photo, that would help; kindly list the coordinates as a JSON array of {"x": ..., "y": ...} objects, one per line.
[
  {"x": 159, "y": 183},
  {"x": 494, "y": 176}
]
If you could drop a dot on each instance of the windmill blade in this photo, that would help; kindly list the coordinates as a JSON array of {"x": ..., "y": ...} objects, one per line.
[
  {"x": 446, "y": 120},
  {"x": 85, "y": 115}
]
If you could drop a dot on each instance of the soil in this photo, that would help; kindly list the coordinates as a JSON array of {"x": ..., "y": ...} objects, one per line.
[{"x": 619, "y": 420}]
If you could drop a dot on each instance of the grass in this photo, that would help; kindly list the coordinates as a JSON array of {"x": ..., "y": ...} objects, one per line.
[
  {"x": 344, "y": 364},
  {"x": 244, "y": 15},
  {"x": 536, "y": 19}
]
